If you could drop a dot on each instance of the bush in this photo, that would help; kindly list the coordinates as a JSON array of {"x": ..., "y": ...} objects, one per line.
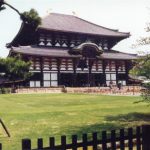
[{"x": 5, "y": 90}]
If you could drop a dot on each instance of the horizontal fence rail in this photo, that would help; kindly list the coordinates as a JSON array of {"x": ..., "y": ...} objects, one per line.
[{"x": 132, "y": 138}]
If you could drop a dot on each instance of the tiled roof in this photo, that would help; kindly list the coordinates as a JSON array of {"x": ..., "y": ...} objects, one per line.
[
  {"x": 41, "y": 51},
  {"x": 70, "y": 23},
  {"x": 56, "y": 52},
  {"x": 112, "y": 54}
]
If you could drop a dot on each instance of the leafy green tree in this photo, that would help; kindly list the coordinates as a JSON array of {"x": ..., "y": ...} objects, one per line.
[
  {"x": 14, "y": 69},
  {"x": 142, "y": 66},
  {"x": 31, "y": 17}
]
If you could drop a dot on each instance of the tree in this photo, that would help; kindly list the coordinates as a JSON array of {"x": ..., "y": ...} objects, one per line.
[
  {"x": 142, "y": 66},
  {"x": 31, "y": 18},
  {"x": 14, "y": 69}
]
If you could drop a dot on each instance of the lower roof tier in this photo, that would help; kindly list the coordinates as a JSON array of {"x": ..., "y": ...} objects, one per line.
[{"x": 57, "y": 52}]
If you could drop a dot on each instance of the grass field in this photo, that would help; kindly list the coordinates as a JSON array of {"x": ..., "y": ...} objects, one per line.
[{"x": 45, "y": 115}]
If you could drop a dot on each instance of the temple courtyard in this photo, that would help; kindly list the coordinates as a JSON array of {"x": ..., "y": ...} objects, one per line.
[{"x": 44, "y": 115}]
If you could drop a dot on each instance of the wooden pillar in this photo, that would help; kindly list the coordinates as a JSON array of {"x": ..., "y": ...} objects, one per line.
[
  {"x": 127, "y": 68},
  {"x": 74, "y": 72},
  {"x": 41, "y": 71},
  {"x": 58, "y": 68},
  {"x": 104, "y": 67},
  {"x": 90, "y": 79},
  {"x": 116, "y": 65}
]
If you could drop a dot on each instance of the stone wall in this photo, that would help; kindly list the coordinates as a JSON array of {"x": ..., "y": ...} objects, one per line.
[
  {"x": 39, "y": 90},
  {"x": 125, "y": 90}
]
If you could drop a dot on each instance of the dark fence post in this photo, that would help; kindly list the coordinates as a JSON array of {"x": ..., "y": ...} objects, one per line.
[
  {"x": 63, "y": 142},
  {"x": 40, "y": 143},
  {"x": 95, "y": 145},
  {"x": 138, "y": 138},
  {"x": 104, "y": 140},
  {"x": 146, "y": 137},
  {"x": 113, "y": 140},
  {"x": 26, "y": 144},
  {"x": 74, "y": 142},
  {"x": 84, "y": 140},
  {"x": 52, "y": 142},
  {"x": 0, "y": 146},
  {"x": 130, "y": 140},
  {"x": 122, "y": 140}
]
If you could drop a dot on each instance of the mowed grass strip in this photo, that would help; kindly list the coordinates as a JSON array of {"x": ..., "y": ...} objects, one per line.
[{"x": 44, "y": 115}]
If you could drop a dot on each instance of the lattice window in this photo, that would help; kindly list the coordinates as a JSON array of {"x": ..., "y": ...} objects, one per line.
[
  {"x": 35, "y": 84},
  {"x": 37, "y": 64},
  {"x": 53, "y": 64},
  {"x": 110, "y": 65},
  {"x": 46, "y": 63},
  {"x": 63, "y": 64},
  {"x": 121, "y": 66},
  {"x": 110, "y": 78},
  {"x": 97, "y": 65},
  {"x": 70, "y": 64},
  {"x": 66, "y": 64},
  {"x": 50, "y": 79}
]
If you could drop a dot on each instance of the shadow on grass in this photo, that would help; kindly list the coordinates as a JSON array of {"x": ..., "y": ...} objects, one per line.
[
  {"x": 89, "y": 129},
  {"x": 111, "y": 123},
  {"x": 130, "y": 117}
]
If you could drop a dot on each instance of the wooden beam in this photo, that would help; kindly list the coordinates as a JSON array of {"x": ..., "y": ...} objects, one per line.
[{"x": 5, "y": 128}]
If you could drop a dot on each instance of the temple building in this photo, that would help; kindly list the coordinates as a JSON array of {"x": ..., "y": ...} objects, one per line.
[{"x": 70, "y": 51}]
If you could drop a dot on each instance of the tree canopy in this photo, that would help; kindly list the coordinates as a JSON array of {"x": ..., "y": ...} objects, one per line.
[
  {"x": 142, "y": 67},
  {"x": 13, "y": 68},
  {"x": 31, "y": 17}
]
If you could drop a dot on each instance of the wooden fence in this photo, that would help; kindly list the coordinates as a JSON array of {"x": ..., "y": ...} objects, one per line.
[{"x": 138, "y": 139}]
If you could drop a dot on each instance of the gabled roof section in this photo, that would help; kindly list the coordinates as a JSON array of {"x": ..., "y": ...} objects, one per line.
[{"x": 70, "y": 23}]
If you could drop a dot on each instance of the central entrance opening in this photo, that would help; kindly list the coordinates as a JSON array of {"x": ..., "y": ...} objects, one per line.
[{"x": 82, "y": 79}]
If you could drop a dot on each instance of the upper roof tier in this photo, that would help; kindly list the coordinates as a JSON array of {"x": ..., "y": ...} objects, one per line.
[{"x": 73, "y": 24}]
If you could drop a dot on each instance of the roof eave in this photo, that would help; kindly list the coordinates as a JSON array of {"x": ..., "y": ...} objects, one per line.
[{"x": 126, "y": 35}]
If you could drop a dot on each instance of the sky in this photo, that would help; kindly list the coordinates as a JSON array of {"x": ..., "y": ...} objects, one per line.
[{"x": 125, "y": 15}]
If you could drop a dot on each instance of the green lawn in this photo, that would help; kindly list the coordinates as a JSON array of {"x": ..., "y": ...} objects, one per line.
[{"x": 45, "y": 115}]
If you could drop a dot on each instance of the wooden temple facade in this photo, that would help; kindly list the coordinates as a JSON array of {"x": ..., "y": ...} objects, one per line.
[{"x": 67, "y": 50}]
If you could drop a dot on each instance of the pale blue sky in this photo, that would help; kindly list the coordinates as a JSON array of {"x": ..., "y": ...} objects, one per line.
[{"x": 125, "y": 15}]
